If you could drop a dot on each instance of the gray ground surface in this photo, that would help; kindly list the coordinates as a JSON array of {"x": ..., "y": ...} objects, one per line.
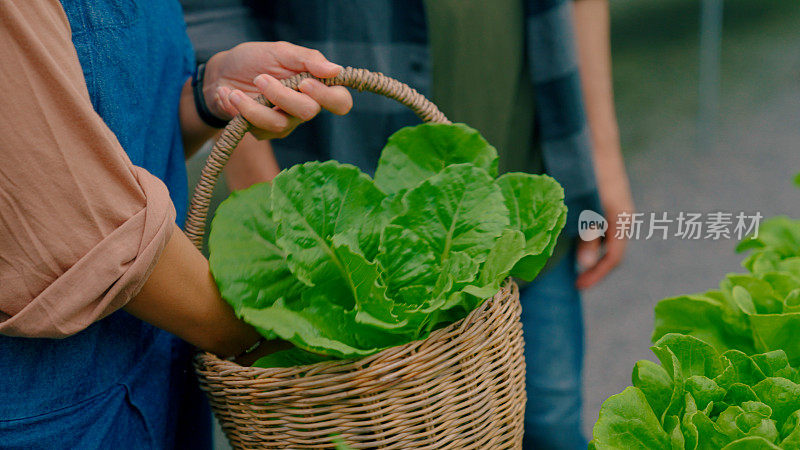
[{"x": 749, "y": 169}]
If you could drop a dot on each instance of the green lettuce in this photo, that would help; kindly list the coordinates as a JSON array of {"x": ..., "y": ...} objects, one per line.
[
  {"x": 701, "y": 399},
  {"x": 727, "y": 378},
  {"x": 344, "y": 266},
  {"x": 754, "y": 312}
]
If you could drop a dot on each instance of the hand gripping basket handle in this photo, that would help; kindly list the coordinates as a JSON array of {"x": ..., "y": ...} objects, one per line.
[{"x": 360, "y": 79}]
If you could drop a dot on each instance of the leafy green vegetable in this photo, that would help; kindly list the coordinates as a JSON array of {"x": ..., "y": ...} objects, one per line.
[
  {"x": 534, "y": 209},
  {"x": 728, "y": 380},
  {"x": 343, "y": 266},
  {"x": 414, "y": 154},
  {"x": 777, "y": 237},
  {"x": 459, "y": 209},
  {"x": 290, "y": 358},
  {"x": 754, "y": 312},
  {"x": 701, "y": 399}
]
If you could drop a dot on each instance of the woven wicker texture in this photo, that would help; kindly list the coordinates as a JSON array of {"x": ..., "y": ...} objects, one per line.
[{"x": 461, "y": 388}]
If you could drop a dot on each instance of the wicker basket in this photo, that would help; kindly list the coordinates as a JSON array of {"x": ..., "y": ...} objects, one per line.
[{"x": 461, "y": 388}]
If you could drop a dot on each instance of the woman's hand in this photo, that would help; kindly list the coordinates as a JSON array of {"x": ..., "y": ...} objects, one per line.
[{"x": 233, "y": 79}]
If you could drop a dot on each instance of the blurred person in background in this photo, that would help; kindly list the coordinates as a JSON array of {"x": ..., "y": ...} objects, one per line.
[
  {"x": 508, "y": 68},
  {"x": 101, "y": 294}
]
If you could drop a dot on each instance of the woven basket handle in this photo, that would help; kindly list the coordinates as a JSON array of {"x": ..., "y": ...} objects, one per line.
[{"x": 360, "y": 79}]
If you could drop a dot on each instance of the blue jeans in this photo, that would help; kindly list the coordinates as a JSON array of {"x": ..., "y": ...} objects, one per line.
[{"x": 552, "y": 325}]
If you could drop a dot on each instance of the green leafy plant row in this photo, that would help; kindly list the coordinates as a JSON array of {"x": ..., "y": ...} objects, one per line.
[
  {"x": 701, "y": 399},
  {"x": 754, "y": 312},
  {"x": 344, "y": 266},
  {"x": 728, "y": 377}
]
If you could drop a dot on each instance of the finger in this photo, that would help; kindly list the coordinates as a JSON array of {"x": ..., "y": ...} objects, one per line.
[
  {"x": 264, "y": 135},
  {"x": 615, "y": 249},
  {"x": 302, "y": 59},
  {"x": 222, "y": 99},
  {"x": 588, "y": 254},
  {"x": 593, "y": 275},
  {"x": 288, "y": 100},
  {"x": 271, "y": 121},
  {"x": 336, "y": 99}
]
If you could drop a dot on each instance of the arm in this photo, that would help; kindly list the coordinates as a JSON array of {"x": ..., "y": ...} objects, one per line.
[
  {"x": 84, "y": 232},
  {"x": 180, "y": 296},
  {"x": 591, "y": 19}
]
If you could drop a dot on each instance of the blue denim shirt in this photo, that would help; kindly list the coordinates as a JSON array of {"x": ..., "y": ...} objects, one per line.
[
  {"x": 136, "y": 56},
  {"x": 120, "y": 383}
]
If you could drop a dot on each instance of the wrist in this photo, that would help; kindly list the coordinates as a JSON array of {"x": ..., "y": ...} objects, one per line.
[
  {"x": 211, "y": 84},
  {"x": 199, "y": 94}
]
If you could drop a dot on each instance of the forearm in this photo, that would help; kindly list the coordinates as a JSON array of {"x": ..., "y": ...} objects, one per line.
[
  {"x": 591, "y": 19},
  {"x": 180, "y": 296},
  {"x": 592, "y": 32},
  {"x": 252, "y": 162}
]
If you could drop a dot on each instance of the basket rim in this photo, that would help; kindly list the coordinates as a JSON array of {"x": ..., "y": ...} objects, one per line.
[{"x": 327, "y": 368}]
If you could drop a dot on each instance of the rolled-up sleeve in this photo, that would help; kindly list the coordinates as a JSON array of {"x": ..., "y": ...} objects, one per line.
[{"x": 81, "y": 227}]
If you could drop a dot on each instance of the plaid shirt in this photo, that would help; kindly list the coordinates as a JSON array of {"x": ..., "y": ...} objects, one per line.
[
  {"x": 390, "y": 36},
  {"x": 560, "y": 116}
]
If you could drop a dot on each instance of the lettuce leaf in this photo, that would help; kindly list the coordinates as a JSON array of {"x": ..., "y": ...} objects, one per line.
[
  {"x": 414, "y": 154},
  {"x": 246, "y": 277},
  {"x": 344, "y": 266},
  {"x": 535, "y": 205},
  {"x": 702, "y": 399},
  {"x": 628, "y": 422},
  {"x": 459, "y": 209},
  {"x": 314, "y": 202}
]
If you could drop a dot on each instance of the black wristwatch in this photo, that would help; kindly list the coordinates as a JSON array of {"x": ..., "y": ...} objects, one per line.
[{"x": 200, "y": 100}]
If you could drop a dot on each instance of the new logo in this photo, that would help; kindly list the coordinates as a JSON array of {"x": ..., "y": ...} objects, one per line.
[{"x": 591, "y": 225}]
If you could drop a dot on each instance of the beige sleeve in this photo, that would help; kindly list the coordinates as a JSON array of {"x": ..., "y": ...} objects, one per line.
[{"x": 80, "y": 226}]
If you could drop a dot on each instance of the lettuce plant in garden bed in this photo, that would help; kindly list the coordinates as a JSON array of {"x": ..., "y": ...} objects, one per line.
[
  {"x": 754, "y": 312},
  {"x": 728, "y": 377},
  {"x": 344, "y": 266},
  {"x": 701, "y": 399}
]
